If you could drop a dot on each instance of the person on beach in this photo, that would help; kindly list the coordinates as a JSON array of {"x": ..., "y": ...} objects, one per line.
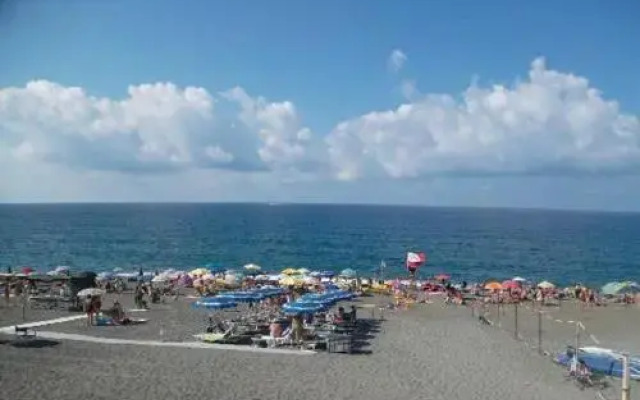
[{"x": 297, "y": 328}]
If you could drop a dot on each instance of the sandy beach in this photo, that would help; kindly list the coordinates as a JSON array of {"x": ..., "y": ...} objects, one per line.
[{"x": 431, "y": 351}]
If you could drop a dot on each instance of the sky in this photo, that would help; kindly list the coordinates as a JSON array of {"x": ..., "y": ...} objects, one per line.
[{"x": 439, "y": 103}]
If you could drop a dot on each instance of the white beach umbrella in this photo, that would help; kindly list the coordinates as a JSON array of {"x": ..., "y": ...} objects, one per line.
[
  {"x": 252, "y": 267},
  {"x": 518, "y": 279},
  {"x": 546, "y": 285},
  {"x": 90, "y": 292}
]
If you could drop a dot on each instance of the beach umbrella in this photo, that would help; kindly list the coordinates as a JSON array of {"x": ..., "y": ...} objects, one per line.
[
  {"x": 104, "y": 276},
  {"x": 62, "y": 269},
  {"x": 252, "y": 268},
  {"x": 289, "y": 271},
  {"x": 118, "y": 269},
  {"x": 90, "y": 292},
  {"x": 214, "y": 305},
  {"x": 546, "y": 285},
  {"x": 493, "y": 286},
  {"x": 327, "y": 274},
  {"x": 518, "y": 279},
  {"x": 289, "y": 281},
  {"x": 349, "y": 273},
  {"x": 303, "y": 271},
  {"x": 611, "y": 288},
  {"x": 199, "y": 272},
  {"x": 442, "y": 277},
  {"x": 628, "y": 288},
  {"x": 510, "y": 284}
]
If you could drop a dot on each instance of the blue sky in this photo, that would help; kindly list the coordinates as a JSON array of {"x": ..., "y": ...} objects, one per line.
[{"x": 321, "y": 64}]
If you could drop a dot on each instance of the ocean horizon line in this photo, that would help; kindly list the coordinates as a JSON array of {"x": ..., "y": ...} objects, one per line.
[{"x": 331, "y": 204}]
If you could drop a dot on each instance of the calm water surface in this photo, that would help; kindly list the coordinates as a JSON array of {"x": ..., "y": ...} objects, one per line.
[{"x": 471, "y": 244}]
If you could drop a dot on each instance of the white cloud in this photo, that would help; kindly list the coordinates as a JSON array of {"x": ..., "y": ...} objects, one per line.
[
  {"x": 552, "y": 122},
  {"x": 284, "y": 142},
  {"x": 396, "y": 60},
  {"x": 59, "y": 142}
]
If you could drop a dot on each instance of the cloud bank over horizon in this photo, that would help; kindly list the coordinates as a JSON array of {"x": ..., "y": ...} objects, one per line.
[{"x": 551, "y": 123}]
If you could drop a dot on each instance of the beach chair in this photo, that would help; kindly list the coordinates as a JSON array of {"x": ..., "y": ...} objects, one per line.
[{"x": 24, "y": 332}]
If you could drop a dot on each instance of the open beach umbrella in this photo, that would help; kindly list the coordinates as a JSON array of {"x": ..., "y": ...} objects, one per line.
[
  {"x": 199, "y": 272},
  {"x": 349, "y": 273},
  {"x": 214, "y": 305},
  {"x": 510, "y": 284},
  {"x": 611, "y": 288},
  {"x": 303, "y": 271},
  {"x": 288, "y": 281},
  {"x": 90, "y": 292},
  {"x": 518, "y": 279},
  {"x": 289, "y": 271},
  {"x": 493, "y": 286},
  {"x": 442, "y": 277},
  {"x": 627, "y": 288},
  {"x": 546, "y": 285},
  {"x": 252, "y": 268}
]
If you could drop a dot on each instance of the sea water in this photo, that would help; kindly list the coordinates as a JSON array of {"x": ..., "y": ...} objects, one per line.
[{"x": 469, "y": 244}]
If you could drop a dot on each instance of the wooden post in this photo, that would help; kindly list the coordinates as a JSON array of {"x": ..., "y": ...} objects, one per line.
[
  {"x": 626, "y": 391},
  {"x": 515, "y": 314},
  {"x": 539, "y": 331}
]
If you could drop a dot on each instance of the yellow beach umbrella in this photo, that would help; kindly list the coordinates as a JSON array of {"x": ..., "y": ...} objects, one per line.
[
  {"x": 199, "y": 271},
  {"x": 288, "y": 281}
]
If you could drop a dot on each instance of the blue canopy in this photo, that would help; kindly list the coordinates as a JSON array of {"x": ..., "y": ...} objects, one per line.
[
  {"x": 605, "y": 363},
  {"x": 214, "y": 305}
]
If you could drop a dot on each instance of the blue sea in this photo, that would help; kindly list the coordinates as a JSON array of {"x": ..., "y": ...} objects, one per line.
[{"x": 470, "y": 244}]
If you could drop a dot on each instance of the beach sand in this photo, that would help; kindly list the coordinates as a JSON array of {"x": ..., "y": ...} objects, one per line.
[{"x": 428, "y": 352}]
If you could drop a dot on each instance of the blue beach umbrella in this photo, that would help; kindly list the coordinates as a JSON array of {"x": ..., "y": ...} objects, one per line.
[{"x": 214, "y": 305}]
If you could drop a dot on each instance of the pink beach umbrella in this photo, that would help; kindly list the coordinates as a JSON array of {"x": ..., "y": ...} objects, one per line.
[{"x": 510, "y": 285}]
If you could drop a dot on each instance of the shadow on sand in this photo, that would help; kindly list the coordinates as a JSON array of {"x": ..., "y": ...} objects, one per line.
[{"x": 33, "y": 343}]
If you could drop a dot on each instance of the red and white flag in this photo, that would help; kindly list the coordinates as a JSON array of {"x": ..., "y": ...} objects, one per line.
[{"x": 415, "y": 260}]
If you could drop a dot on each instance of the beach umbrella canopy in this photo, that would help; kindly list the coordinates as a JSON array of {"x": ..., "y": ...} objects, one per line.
[
  {"x": 303, "y": 271},
  {"x": 327, "y": 274},
  {"x": 199, "y": 272},
  {"x": 214, "y": 305},
  {"x": 289, "y": 281},
  {"x": 510, "y": 284},
  {"x": 289, "y": 271},
  {"x": 252, "y": 268},
  {"x": 90, "y": 292},
  {"x": 493, "y": 286},
  {"x": 546, "y": 285},
  {"x": 349, "y": 273},
  {"x": 105, "y": 276},
  {"x": 518, "y": 279},
  {"x": 442, "y": 277},
  {"x": 611, "y": 288},
  {"x": 626, "y": 288}
]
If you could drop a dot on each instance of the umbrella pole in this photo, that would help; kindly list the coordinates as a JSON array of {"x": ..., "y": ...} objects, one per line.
[{"x": 626, "y": 391}]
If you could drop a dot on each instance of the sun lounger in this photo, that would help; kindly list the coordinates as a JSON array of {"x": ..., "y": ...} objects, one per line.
[{"x": 25, "y": 332}]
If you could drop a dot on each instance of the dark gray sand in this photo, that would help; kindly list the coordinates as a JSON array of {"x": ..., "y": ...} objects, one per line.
[{"x": 428, "y": 352}]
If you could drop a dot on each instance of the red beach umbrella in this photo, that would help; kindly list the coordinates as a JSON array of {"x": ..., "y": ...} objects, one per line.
[{"x": 26, "y": 270}]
